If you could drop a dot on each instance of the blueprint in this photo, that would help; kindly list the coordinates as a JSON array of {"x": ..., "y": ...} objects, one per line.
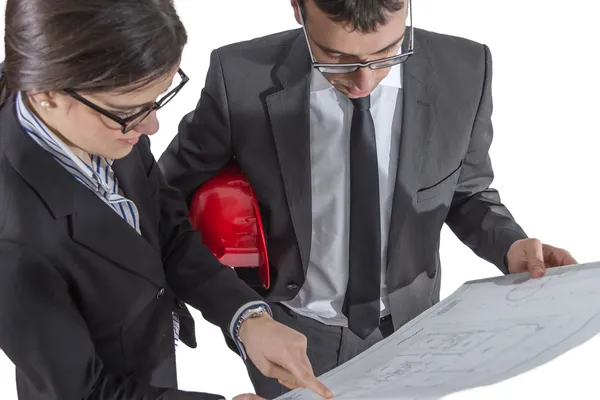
[{"x": 487, "y": 331}]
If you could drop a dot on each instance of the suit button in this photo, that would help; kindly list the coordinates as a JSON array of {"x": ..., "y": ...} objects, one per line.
[
  {"x": 293, "y": 287},
  {"x": 160, "y": 293}
]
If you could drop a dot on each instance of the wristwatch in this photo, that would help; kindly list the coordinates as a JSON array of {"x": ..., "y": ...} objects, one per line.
[{"x": 253, "y": 312}]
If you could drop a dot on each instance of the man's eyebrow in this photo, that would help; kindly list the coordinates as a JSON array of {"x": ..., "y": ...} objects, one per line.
[{"x": 384, "y": 50}]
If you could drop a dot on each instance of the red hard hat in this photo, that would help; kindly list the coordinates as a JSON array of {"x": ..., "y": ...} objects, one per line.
[{"x": 225, "y": 211}]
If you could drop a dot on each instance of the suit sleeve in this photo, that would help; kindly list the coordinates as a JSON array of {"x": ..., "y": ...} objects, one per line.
[
  {"x": 192, "y": 271},
  {"x": 47, "y": 339},
  {"x": 477, "y": 215},
  {"x": 202, "y": 145}
]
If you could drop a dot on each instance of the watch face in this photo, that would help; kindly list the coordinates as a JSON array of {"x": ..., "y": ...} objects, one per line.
[
  {"x": 250, "y": 313},
  {"x": 257, "y": 312}
]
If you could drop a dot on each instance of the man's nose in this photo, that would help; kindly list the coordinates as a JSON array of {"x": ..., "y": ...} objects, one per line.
[{"x": 364, "y": 79}]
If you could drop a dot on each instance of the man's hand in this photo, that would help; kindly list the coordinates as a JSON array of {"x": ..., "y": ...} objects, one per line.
[
  {"x": 534, "y": 256},
  {"x": 280, "y": 352}
]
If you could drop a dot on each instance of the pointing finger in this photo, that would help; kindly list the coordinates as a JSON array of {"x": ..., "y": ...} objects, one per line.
[{"x": 535, "y": 258}]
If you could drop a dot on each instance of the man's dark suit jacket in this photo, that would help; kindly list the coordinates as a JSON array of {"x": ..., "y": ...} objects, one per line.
[
  {"x": 255, "y": 108},
  {"x": 85, "y": 301}
]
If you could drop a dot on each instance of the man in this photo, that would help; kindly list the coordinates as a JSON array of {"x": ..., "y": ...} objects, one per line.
[{"x": 360, "y": 141}]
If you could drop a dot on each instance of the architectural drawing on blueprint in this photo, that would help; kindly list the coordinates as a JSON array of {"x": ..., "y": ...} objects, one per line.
[
  {"x": 524, "y": 287},
  {"x": 487, "y": 331}
]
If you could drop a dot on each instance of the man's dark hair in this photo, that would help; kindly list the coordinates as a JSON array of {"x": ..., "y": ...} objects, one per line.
[
  {"x": 89, "y": 45},
  {"x": 362, "y": 15}
]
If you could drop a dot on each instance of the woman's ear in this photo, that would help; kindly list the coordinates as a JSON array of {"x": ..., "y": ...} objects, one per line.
[
  {"x": 47, "y": 101},
  {"x": 41, "y": 100}
]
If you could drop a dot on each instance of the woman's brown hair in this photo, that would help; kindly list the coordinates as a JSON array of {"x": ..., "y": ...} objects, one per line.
[{"x": 89, "y": 45}]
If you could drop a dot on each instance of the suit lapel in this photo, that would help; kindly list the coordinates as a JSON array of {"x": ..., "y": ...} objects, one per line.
[
  {"x": 92, "y": 223},
  {"x": 418, "y": 116},
  {"x": 135, "y": 186},
  {"x": 289, "y": 115},
  {"x": 102, "y": 230}
]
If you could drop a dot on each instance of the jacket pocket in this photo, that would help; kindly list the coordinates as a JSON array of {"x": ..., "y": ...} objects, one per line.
[{"x": 439, "y": 188}]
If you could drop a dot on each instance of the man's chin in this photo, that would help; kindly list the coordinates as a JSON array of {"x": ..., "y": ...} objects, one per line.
[
  {"x": 357, "y": 95},
  {"x": 353, "y": 94}
]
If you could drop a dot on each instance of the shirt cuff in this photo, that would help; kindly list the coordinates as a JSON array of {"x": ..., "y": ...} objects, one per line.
[{"x": 236, "y": 319}]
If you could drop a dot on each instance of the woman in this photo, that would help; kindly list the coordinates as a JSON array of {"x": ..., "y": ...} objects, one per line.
[{"x": 97, "y": 256}]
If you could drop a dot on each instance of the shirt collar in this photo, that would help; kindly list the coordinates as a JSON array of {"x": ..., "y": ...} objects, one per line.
[{"x": 50, "y": 142}]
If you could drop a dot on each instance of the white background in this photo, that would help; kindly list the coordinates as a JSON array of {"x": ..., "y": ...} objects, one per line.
[{"x": 544, "y": 153}]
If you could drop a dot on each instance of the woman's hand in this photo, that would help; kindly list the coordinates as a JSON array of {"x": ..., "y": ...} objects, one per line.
[{"x": 280, "y": 352}]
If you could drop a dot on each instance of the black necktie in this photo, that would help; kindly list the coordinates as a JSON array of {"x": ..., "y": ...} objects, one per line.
[{"x": 362, "y": 302}]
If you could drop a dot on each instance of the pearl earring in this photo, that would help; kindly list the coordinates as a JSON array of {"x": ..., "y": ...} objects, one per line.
[{"x": 44, "y": 104}]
